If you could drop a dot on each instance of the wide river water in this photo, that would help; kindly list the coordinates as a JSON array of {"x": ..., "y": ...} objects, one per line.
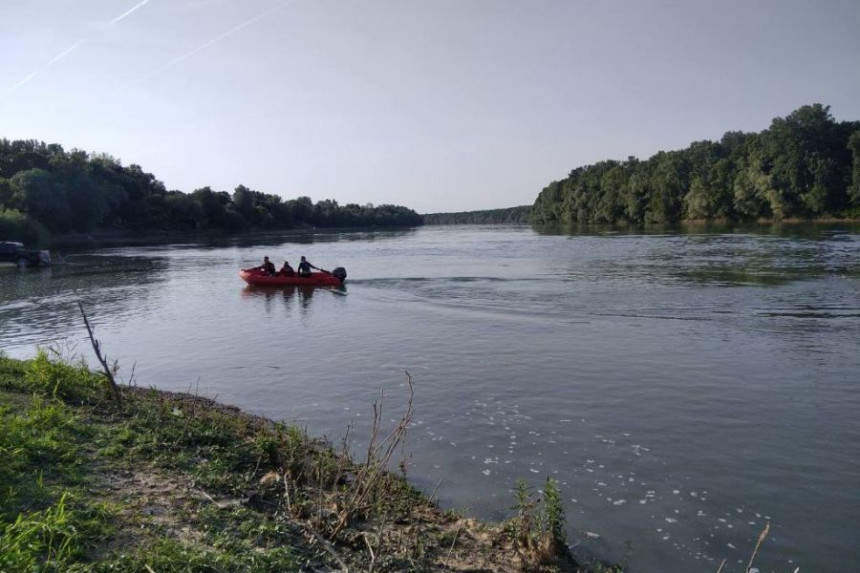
[{"x": 683, "y": 388}]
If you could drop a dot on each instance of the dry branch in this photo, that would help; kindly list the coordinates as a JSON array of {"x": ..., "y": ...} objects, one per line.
[
  {"x": 108, "y": 371},
  {"x": 330, "y": 549},
  {"x": 379, "y": 453},
  {"x": 761, "y": 539}
]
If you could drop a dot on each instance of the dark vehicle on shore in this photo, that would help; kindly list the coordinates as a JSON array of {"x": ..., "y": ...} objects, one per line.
[{"x": 14, "y": 252}]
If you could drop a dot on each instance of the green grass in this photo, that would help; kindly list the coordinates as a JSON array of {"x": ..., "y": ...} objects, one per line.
[
  {"x": 172, "y": 556},
  {"x": 43, "y": 527},
  {"x": 38, "y": 446},
  {"x": 50, "y": 523}
]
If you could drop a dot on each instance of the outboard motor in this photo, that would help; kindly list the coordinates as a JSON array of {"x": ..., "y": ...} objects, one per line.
[{"x": 340, "y": 273}]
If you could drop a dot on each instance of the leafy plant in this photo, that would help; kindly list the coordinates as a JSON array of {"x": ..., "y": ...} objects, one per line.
[{"x": 538, "y": 530}]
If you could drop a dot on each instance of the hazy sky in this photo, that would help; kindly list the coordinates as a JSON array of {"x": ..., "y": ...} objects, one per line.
[{"x": 439, "y": 105}]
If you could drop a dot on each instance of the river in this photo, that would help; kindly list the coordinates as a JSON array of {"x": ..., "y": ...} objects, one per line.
[{"x": 684, "y": 388}]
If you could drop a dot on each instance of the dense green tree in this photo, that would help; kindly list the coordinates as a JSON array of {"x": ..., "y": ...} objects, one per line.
[
  {"x": 243, "y": 202},
  {"x": 184, "y": 212},
  {"x": 803, "y": 165},
  {"x": 5, "y": 192},
  {"x": 669, "y": 182},
  {"x": 301, "y": 208},
  {"x": 42, "y": 197},
  {"x": 43, "y": 186},
  {"x": 754, "y": 196},
  {"x": 614, "y": 186},
  {"x": 638, "y": 193},
  {"x": 854, "y": 192},
  {"x": 485, "y": 217},
  {"x": 16, "y": 225},
  {"x": 86, "y": 199}
]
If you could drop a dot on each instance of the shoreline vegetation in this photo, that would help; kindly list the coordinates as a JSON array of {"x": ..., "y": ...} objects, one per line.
[
  {"x": 805, "y": 166},
  {"x": 103, "y": 477},
  {"x": 47, "y": 193},
  {"x": 509, "y": 215}
]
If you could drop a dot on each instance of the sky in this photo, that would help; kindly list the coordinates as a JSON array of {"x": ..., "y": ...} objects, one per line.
[{"x": 438, "y": 105}]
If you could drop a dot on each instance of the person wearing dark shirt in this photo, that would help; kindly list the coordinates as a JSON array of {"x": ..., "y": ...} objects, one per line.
[
  {"x": 286, "y": 270},
  {"x": 268, "y": 267},
  {"x": 305, "y": 268}
]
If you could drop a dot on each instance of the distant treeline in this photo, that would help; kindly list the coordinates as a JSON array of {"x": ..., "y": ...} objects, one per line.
[
  {"x": 489, "y": 216},
  {"x": 45, "y": 190},
  {"x": 805, "y": 165}
]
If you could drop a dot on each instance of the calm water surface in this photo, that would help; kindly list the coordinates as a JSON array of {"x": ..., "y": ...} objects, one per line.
[{"x": 683, "y": 388}]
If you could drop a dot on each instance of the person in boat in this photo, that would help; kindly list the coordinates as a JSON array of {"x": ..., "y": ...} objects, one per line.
[
  {"x": 305, "y": 267},
  {"x": 268, "y": 267},
  {"x": 286, "y": 270}
]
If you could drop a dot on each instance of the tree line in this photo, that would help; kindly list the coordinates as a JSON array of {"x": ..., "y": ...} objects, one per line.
[
  {"x": 47, "y": 191},
  {"x": 806, "y": 165},
  {"x": 519, "y": 214}
]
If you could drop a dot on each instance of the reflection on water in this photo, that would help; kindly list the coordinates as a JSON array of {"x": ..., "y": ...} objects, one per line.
[
  {"x": 675, "y": 412},
  {"x": 303, "y": 295},
  {"x": 39, "y": 305}
]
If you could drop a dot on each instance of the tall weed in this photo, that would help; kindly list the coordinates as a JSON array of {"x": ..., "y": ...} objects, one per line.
[
  {"x": 51, "y": 376},
  {"x": 42, "y": 540}
]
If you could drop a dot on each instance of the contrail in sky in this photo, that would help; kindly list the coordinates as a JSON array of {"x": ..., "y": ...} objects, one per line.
[
  {"x": 53, "y": 61},
  {"x": 69, "y": 50},
  {"x": 126, "y": 14},
  {"x": 205, "y": 45},
  {"x": 29, "y": 77}
]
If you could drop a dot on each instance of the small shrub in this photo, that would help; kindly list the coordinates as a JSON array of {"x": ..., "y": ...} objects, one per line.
[
  {"x": 14, "y": 223},
  {"x": 56, "y": 378},
  {"x": 538, "y": 530},
  {"x": 553, "y": 512}
]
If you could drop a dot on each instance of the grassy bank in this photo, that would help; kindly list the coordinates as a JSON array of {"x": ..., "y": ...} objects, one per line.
[{"x": 151, "y": 481}]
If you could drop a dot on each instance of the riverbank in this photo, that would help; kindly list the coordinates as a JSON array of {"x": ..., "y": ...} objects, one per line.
[{"x": 149, "y": 481}]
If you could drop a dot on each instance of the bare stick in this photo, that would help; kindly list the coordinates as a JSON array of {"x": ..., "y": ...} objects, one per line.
[
  {"x": 330, "y": 548},
  {"x": 433, "y": 495},
  {"x": 108, "y": 372},
  {"x": 380, "y": 535},
  {"x": 212, "y": 499},
  {"x": 287, "y": 495},
  {"x": 372, "y": 554},
  {"x": 379, "y": 454},
  {"x": 131, "y": 381},
  {"x": 761, "y": 538},
  {"x": 450, "y": 549},
  {"x": 722, "y": 565}
]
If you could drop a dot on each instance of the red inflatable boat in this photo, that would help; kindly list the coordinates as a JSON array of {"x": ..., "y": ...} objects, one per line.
[{"x": 325, "y": 279}]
